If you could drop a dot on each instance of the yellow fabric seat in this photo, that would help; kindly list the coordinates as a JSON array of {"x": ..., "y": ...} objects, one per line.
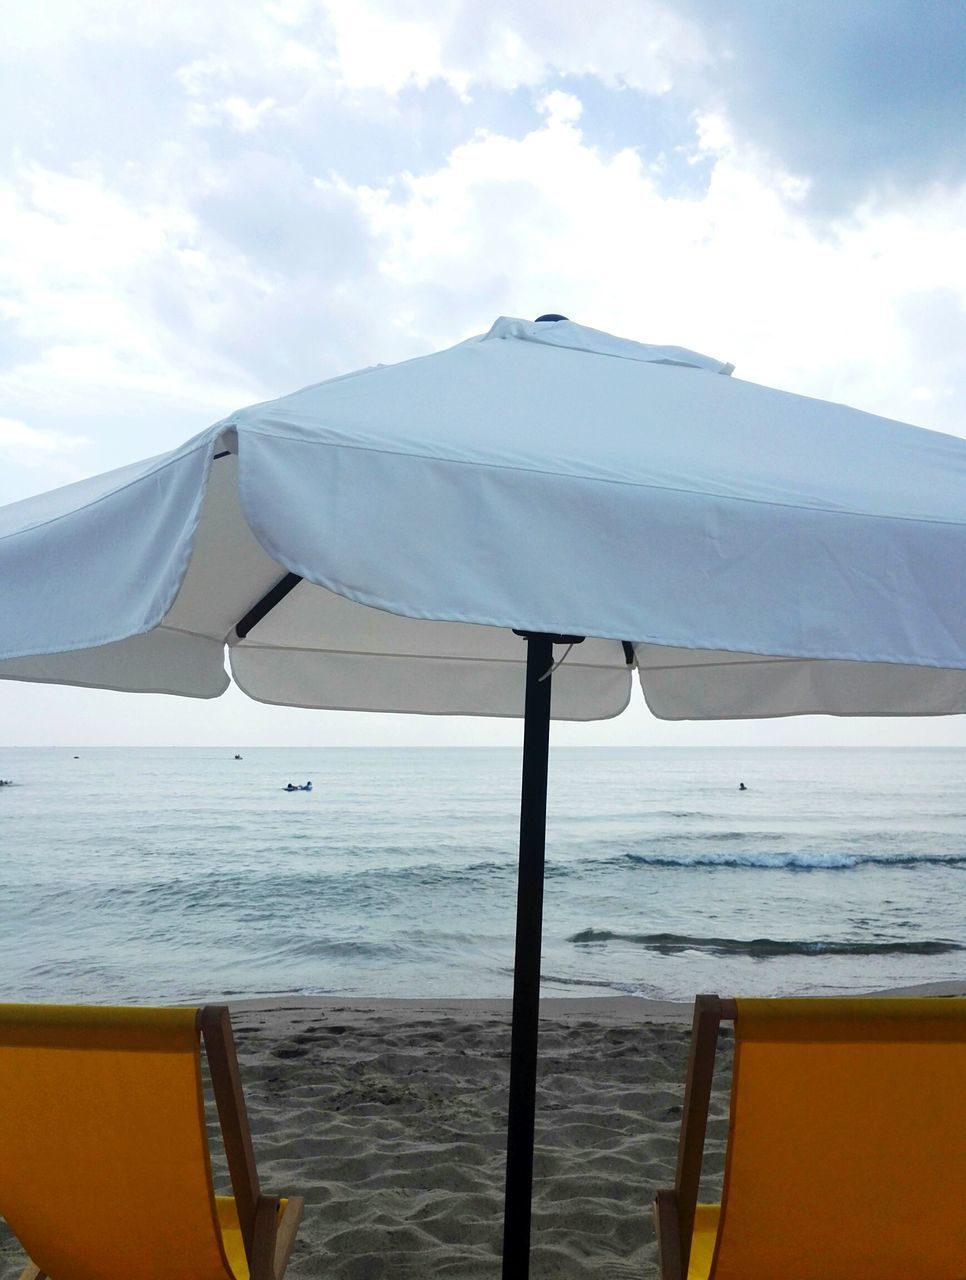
[
  {"x": 846, "y": 1154},
  {"x": 703, "y": 1239},
  {"x": 105, "y": 1170},
  {"x": 231, "y": 1235}
]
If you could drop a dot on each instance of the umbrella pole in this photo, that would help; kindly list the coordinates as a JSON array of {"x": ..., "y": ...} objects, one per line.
[{"x": 526, "y": 966}]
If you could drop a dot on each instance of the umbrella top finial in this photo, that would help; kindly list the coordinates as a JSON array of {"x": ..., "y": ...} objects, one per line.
[{"x": 549, "y": 317}]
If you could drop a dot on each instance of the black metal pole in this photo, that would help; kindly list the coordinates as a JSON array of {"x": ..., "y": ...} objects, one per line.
[{"x": 526, "y": 967}]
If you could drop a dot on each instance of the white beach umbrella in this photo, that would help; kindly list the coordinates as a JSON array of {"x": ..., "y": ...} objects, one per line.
[{"x": 382, "y": 541}]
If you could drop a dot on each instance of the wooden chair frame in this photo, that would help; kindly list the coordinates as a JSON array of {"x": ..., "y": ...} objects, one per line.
[
  {"x": 268, "y": 1243},
  {"x": 674, "y": 1210}
]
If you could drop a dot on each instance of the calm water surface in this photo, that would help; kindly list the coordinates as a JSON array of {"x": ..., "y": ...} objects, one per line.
[{"x": 173, "y": 874}]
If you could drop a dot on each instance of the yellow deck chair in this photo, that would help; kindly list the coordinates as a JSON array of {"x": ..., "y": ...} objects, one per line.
[
  {"x": 105, "y": 1171},
  {"x": 846, "y": 1155}
]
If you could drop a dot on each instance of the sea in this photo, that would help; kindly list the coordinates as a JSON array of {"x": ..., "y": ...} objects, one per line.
[{"x": 186, "y": 874}]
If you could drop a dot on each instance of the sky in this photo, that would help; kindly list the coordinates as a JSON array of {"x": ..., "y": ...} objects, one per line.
[{"x": 202, "y": 206}]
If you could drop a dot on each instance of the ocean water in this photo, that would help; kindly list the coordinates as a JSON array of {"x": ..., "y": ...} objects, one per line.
[{"x": 184, "y": 874}]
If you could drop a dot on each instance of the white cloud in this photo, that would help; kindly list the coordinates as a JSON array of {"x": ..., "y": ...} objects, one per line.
[
  {"x": 506, "y": 44},
  {"x": 85, "y": 267},
  {"x": 198, "y": 274},
  {"x": 566, "y": 108},
  {"x": 547, "y": 222},
  {"x": 378, "y": 51},
  {"x": 208, "y": 281},
  {"x": 245, "y": 116},
  {"x": 31, "y": 447}
]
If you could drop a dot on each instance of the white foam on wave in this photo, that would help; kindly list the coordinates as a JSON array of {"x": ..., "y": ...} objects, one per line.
[{"x": 797, "y": 861}]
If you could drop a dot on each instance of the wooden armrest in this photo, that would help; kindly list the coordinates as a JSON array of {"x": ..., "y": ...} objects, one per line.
[
  {"x": 287, "y": 1227},
  {"x": 263, "y": 1238},
  {"x": 668, "y": 1220}
]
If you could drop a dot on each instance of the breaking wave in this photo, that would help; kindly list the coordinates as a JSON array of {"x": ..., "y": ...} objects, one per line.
[
  {"x": 797, "y": 861},
  {"x": 670, "y": 944}
]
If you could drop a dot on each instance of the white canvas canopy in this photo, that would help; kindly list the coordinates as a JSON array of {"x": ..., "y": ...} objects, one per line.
[
  {"x": 764, "y": 554},
  {"x": 381, "y": 542}
]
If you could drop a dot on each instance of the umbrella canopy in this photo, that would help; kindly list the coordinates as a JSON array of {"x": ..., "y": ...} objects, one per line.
[
  {"x": 382, "y": 541},
  {"x": 381, "y": 535}
]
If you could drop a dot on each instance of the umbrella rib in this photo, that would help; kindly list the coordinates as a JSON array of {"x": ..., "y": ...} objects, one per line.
[{"x": 275, "y": 595}]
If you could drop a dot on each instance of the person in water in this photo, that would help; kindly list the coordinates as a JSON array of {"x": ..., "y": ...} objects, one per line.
[{"x": 742, "y": 787}]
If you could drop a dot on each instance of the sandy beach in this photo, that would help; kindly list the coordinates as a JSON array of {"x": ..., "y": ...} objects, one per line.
[
  {"x": 388, "y": 1116},
  {"x": 392, "y": 1115}
]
